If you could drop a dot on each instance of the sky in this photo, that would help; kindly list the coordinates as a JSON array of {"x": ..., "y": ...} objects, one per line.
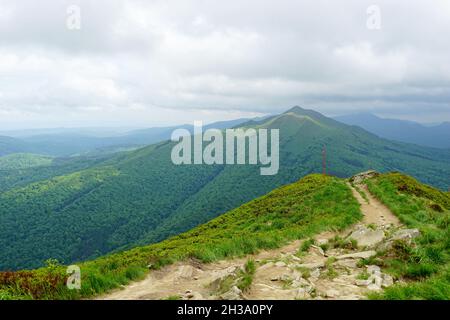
[{"x": 145, "y": 63}]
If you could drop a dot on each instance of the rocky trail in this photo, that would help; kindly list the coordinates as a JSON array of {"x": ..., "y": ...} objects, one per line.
[{"x": 327, "y": 268}]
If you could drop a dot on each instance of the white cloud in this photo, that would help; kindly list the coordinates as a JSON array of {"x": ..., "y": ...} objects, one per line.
[{"x": 133, "y": 60}]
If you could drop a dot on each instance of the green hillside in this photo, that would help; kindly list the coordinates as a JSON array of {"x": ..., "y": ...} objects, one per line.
[
  {"x": 140, "y": 197},
  {"x": 425, "y": 266},
  {"x": 314, "y": 204},
  {"x": 13, "y": 177},
  {"x": 300, "y": 210},
  {"x": 23, "y": 161}
]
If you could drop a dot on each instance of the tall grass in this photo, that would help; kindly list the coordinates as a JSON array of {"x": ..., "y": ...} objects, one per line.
[{"x": 425, "y": 266}]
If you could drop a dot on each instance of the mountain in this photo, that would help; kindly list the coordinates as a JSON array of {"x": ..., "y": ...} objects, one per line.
[
  {"x": 18, "y": 170},
  {"x": 141, "y": 197},
  {"x": 308, "y": 206},
  {"x": 23, "y": 161},
  {"x": 10, "y": 145},
  {"x": 400, "y": 130},
  {"x": 69, "y": 142},
  {"x": 416, "y": 263}
]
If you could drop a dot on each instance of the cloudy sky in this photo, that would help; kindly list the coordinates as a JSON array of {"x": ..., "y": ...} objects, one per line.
[{"x": 145, "y": 63}]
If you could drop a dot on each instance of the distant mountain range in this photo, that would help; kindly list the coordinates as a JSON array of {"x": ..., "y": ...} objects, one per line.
[
  {"x": 69, "y": 142},
  {"x": 437, "y": 136},
  {"x": 82, "y": 207}
]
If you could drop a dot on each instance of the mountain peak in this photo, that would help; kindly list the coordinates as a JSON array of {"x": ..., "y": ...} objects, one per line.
[
  {"x": 300, "y": 111},
  {"x": 295, "y": 109},
  {"x": 317, "y": 116}
]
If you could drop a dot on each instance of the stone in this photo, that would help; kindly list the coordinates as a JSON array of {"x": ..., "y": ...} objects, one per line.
[
  {"x": 217, "y": 281},
  {"x": 317, "y": 250},
  {"x": 266, "y": 266},
  {"x": 358, "y": 255},
  {"x": 233, "y": 269},
  {"x": 295, "y": 258},
  {"x": 351, "y": 297},
  {"x": 189, "y": 295},
  {"x": 377, "y": 280},
  {"x": 406, "y": 234},
  {"x": 309, "y": 288},
  {"x": 348, "y": 263},
  {"x": 315, "y": 274},
  {"x": 300, "y": 283},
  {"x": 387, "y": 281},
  {"x": 321, "y": 242},
  {"x": 332, "y": 293},
  {"x": 312, "y": 265},
  {"x": 367, "y": 237},
  {"x": 373, "y": 287},
  {"x": 302, "y": 294},
  {"x": 373, "y": 269},
  {"x": 363, "y": 283},
  {"x": 234, "y": 294},
  {"x": 280, "y": 264},
  {"x": 185, "y": 272},
  {"x": 285, "y": 277},
  {"x": 360, "y": 177},
  {"x": 196, "y": 296}
]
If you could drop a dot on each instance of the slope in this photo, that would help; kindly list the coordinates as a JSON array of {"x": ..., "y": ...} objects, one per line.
[
  {"x": 423, "y": 265},
  {"x": 303, "y": 134},
  {"x": 314, "y": 204},
  {"x": 437, "y": 136},
  {"x": 23, "y": 161},
  {"x": 143, "y": 198},
  {"x": 222, "y": 259}
]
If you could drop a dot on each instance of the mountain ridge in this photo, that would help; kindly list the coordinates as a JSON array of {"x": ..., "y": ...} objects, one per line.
[
  {"x": 437, "y": 136},
  {"x": 315, "y": 208},
  {"x": 130, "y": 207}
]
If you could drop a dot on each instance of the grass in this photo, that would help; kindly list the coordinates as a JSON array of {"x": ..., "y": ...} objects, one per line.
[
  {"x": 306, "y": 245},
  {"x": 423, "y": 264},
  {"x": 300, "y": 210},
  {"x": 338, "y": 242},
  {"x": 372, "y": 261},
  {"x": 331, "y": 272},
  {"x": 361, "y": 192},
  {"x": 226, "y": 284},
  {"x": 243, "y": 279},
  {"x": 364, "y": 275},
  {"x": 436, "y": 287},
  {"x": 246, "y": 276},
  {"x": 305, "y": 272}
]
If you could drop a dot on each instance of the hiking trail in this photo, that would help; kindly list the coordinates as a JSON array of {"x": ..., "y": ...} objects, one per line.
[{"x": 328, "y": 269}]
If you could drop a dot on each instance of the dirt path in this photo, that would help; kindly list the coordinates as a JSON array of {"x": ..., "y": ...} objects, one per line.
[
  {"x": 373, "y": 210},
  {"x": 284, "y": 273}
]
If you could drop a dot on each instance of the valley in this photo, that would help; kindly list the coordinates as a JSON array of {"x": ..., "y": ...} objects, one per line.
[
  {"x": 84, "y": 207},
  {"x": 377, "y": 236}
]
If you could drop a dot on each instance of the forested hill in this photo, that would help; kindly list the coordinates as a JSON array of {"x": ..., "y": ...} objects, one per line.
[
  {"x": 141, "y": 197},
  {"x": 419, "y": 260}
]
